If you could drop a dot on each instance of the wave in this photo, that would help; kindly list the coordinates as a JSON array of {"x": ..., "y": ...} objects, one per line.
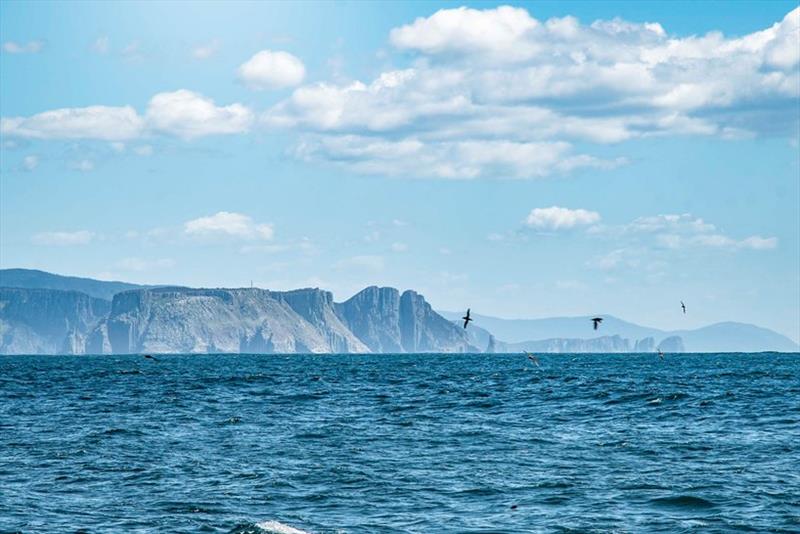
[{"x": 276, "y": 527}]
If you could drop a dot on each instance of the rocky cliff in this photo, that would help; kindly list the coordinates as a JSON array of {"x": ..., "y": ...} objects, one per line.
[
  {"x": 184, "y": 320},
  {"x": 387, "y": 321},
  {"x": 47, "y": 321}
]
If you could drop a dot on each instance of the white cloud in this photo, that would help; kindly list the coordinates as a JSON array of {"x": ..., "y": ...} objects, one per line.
[
  {"x": 227, "y": 224},
  {"x": 31, "y": 47},
  {"x": 499, "y": 32},
  {"x": 101, "y": 45},
  {"x": 30, "y": 162},
  {"x": 558, "y": 218},
  {"x": 399, "y": 247},
  {"x": 365, "y": 262},
  {"x": 372, "y": 236},
  {"x": 570, "y": 285},
  {"x": 81, "y": 237},
  {"x": 182, "y": 113},
  {"x": 413, "y": 158},
  {"x": 499, "y": 75},
  {"x": 140, "y": 264},
  {"x": 82, "y": 165},
  {"x": 133, "y": 51},
  {"x": 143, "y": 150},
  {"x": 758, "y": 243},
  {"x": 670, "y": 232},
  {"x": 93, "y": 122},
  {"x": 206, "y": 51},
  {"x": 187, "y": 114},
  {"x": 721, "y": 241},
  {"x": 270, "y": 69}
]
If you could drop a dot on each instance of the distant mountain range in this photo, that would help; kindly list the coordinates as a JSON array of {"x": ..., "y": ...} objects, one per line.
[
  {"x": 539, "y": 334},
  {"x": 45, "y": 313}
]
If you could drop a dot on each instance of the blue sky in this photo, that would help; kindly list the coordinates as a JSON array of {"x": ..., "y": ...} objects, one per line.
[{"x": 526, "y": 160}]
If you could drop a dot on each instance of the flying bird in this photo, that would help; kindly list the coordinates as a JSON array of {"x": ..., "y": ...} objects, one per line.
[
  {"x": 597, "y": 321},
  {"x": 683, "y": 306},
  {"x": 533, "y": 358},
  {"x": 466, "y": 318}
]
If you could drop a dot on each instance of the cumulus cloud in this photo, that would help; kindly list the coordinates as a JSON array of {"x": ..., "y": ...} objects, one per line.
[
  {"x": 558, "y": 218},
  {"x": 491, "y": 93},
  {"x": 502, "y": 33},
  {"x": 181, "y": 113},
  {"x": 270, "y": 69},
  {"x": 81, "y": 237},
  {"x": 501, "y": 75},
  {"x": 31, "y": 47},
  {"x": 188, "y": 114},
  {"x": 227, "y": 224}
]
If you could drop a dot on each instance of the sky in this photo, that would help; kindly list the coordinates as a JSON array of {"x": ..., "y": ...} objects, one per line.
[{"x": 526, "y": 160}]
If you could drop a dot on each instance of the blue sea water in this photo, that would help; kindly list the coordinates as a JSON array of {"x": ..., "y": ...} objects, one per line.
[{"x": 405, "y": 443}]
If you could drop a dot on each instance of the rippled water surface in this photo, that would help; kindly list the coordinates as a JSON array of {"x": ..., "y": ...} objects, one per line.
[{"x": 408, "y": 443}]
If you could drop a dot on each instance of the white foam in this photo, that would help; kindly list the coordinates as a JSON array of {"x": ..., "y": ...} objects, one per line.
[{"x": 278, "y": 528}]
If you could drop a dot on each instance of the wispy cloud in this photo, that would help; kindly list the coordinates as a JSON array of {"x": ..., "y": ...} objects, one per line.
[
  {"x": 141, "y": 264},
  {"x": 31, "y": 47},
  {"x": 101, "y": 45},
  {"x": 229, "y": 225},
  {"x": 80, "y": 237},
  {"x": 361, "y": 262},
  {"x": 207, "y": 50},
  {"x": 30, "y": 162}
]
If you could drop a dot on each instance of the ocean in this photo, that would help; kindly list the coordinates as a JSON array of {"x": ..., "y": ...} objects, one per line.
[{"x": 400, "y": 443}]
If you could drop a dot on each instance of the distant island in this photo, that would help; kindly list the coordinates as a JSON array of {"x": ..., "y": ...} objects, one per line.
[{"x": 45, "y": 313}]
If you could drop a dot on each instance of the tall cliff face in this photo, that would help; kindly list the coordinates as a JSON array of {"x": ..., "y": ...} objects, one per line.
[
  {"x": 373, "y": 315},
  {"x": 183, "y": 320},
  {"x": 387, "y": 321},
  {"x": 317, "y": 307},
  {"x": 424, "y": 330},
  {"x": 47, "y": 321}
]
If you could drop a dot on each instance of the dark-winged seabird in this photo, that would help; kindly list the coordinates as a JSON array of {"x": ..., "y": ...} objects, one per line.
[
  {"x": 683, "y": 306},
  {"x": 597, "y": 321},
  {"x": 466, "y": 318},
  {"x": 533, "y": 358}
]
